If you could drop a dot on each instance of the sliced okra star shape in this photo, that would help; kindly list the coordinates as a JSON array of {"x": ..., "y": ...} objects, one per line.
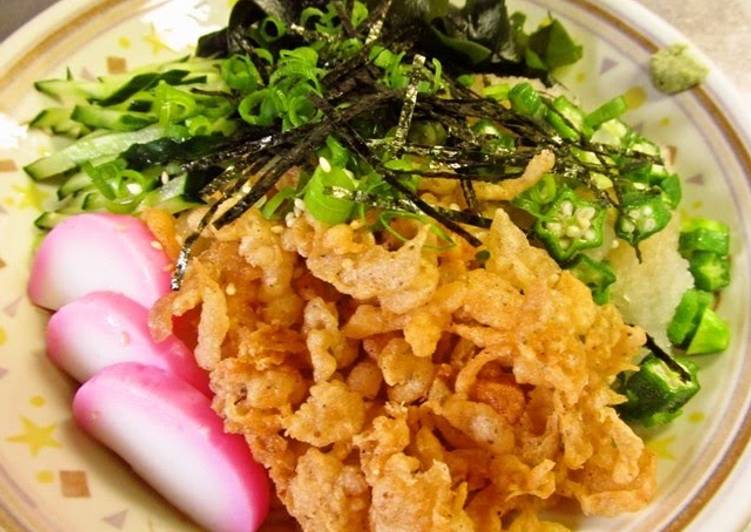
[{"x": 570, "y": 225}]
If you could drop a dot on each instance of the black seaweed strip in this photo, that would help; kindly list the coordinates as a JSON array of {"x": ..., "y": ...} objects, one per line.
[
  {"x": 470, "y": 196},
  {"x": 666, "y": 358},
  {"x": 341, "y": 10}
]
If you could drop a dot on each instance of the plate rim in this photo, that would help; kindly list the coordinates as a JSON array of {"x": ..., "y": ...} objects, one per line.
[{"x": 38, "y": 35}]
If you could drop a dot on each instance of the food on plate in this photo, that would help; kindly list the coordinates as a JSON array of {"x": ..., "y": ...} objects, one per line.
[
  {"x": 116, "y": 330},
  {"x": 419, "y": 272},
  {"x": 166, "y": 430},
  {"x": 674, "y": 69},
  {"x": 410, "y": 388},
  {"x": 99, "y": 252}
]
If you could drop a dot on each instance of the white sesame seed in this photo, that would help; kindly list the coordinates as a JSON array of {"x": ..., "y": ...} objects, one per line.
[
  {"x": 324, "y": 163},
  {"x": 164, "y": 178},
  {"x": 231, "y": 289},
  {"x": 156, "y": 245},
  {"x": 299, "y": 204},
  {"x": 454, "y": 207},
  {"x": 277, "y": 229}
]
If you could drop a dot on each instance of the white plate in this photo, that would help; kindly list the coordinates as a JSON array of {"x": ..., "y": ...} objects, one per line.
[{"x": 52, "y": 477}]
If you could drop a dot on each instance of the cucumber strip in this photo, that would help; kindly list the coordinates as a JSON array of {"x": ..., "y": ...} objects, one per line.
[
  {"x": 73, "y": 204},
  {"x": 48, "y": 220},
  {"x": 50, "y": 117},
  {"x": 98, "y": 117},
  {"x": 172, "y": 196},
  {"x": 174, "y": 205},
  {"x": 71, "y": 90},
  {"x": 139, "y": 83},
  {"x": 94, "y": 201},
  {"x": 71, "y": 129},
  {"x": 88, "y": 148},
  {"x": 58, "y": 120},
  {"x": 73, "y": 184}
]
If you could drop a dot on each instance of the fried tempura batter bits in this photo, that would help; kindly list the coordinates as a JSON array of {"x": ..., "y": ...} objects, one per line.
[{"x": 403, "y": 386}]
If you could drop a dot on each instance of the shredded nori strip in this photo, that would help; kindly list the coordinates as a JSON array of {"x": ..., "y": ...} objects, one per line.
[
  {"x": 666, "y": 358},
  {"x": 354, "y": 98},
  {"x": 470, "y": 196},
  {"x": 408, "y": 108}
]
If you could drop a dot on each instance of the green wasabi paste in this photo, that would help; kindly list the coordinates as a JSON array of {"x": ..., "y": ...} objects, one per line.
[{"x": 674, "y": 69}]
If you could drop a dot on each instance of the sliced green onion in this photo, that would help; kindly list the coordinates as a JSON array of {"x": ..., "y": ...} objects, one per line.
[
  {"x": 526, "y": 101},
  {"x": 311, "y": 14},
  {"x": 272, "y": 29},
  {"x": 606, "y": 112},
  {"x": 271, "y": 208},
  {"x": 561, "y": 126},
  {"x": 173, "y": 105},
  {"x": 240, "y": 73},
  {"x": 323, "y": 206},
  {"x": 497, "y": 92}
]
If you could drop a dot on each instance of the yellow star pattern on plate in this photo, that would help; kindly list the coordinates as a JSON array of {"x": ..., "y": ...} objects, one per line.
[
  {"x": 661, "y": 447},
  {"x": 153, "y": 40},
  {"x": 37, "y": 437},
  {"x": 30, "y": 196}
]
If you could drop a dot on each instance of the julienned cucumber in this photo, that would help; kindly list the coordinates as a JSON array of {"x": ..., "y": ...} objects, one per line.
[
  {"x": 116, "y": 88},
  {"x": 67, "y": 90},
  {"x": 88, "y": 148},
  {"x": 99, "y": 117},
  {"x": 73, "y": 184},
  {"x": 58, "y": 120},
  {"x": 48, "y": 220},
  {"x": 173, "y": 197}
]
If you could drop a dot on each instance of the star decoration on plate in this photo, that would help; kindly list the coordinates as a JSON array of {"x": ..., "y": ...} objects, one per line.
[
  {"x": 37, "y": 437},
  {"x": 156, "y": 43},
  {"x": 31, "y": 196}
]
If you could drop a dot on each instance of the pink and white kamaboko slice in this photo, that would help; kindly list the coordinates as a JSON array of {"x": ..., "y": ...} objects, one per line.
[
  {"x": 105, "y": 328},
  {"x": 99, "y": 252},
  {"x": 166, "y": 430}
]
